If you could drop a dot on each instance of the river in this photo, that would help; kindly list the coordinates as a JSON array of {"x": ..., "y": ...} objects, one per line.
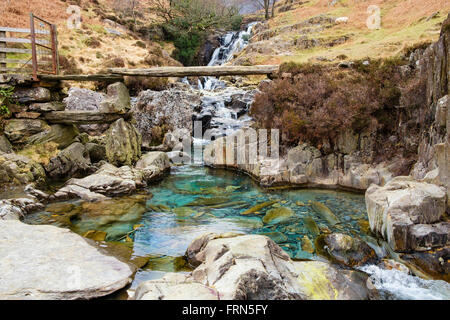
[{"x": 158, "y": 224}]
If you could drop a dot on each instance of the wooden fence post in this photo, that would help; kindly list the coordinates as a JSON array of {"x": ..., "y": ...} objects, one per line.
[{"x": 2, "y": 45}]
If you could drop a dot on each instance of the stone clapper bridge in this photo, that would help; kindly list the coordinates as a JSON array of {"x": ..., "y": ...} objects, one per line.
[
  {"x": 44, "y": 43},
  {"x": 117, "y": 74}
]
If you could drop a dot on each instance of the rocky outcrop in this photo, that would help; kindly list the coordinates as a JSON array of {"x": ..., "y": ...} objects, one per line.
[
  {"x": 158, "y": 112},
  {"x": 433, "y": 163},
  {"x": 303, "y": 165},
  {"x": 18, "y": 130},
  {"x": 46, "y": 262},
  {"x": 250, "y": 267},
  {"x": 110, "y": 181},
  {"x": 407, "y": 213},
  {"x": 17, "y": 169},
  {"x": 73, "y": 161},
  {"x": 123, "y": 143},
  {"x": 206, "y": 51},
  {"x": 174, "y": 286}
]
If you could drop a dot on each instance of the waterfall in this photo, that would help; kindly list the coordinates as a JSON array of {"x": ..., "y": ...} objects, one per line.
[
  {"x": 224, "y": 107},
  {"x": 231, "y": 43}
]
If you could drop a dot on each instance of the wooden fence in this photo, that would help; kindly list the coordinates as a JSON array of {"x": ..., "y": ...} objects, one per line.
[{"x": 34, "y": 54}]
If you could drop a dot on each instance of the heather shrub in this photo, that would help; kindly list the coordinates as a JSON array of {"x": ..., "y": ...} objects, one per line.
[
  {"x": 138, "y": 84},
  {"x": 316, "y": 103}
]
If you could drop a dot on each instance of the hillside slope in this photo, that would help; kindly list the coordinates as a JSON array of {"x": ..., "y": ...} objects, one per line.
[
  {"x": 306, "y": 31},
  {"x": 110, "y": 35}
]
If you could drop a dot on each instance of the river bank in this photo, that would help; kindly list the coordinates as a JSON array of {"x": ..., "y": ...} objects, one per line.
[{"x": 137, "y": 221}]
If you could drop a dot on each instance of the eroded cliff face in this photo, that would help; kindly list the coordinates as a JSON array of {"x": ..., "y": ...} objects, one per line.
[
  {"x": 405, "y": 170},
  {"x": 434, "y": 151},
  {"x": 416, "y": 142}
]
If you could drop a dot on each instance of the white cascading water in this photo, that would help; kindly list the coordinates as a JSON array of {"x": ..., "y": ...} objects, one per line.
[
  {"x": 231, "y": 43},
  {"x": 217, "y": 95},
  {"x": 397, "y": 285}
]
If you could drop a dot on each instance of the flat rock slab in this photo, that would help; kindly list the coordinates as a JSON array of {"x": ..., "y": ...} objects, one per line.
[
  {"x": 83, "y": 117},
  {"x": 46, "y": 262}
]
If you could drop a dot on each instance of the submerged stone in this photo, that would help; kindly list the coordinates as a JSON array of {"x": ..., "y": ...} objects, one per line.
[
  {"x": 277, "y": 237},
  {"x": 228, "y": 204},
  {"x": 95, "y": 235},
  {"x": 184, "y": 211},
  {"x": 277, "y": 215},
  {"x": 311, "y": 225},
  {"x": 247, "y": 222},
  {"x": 202, "y": 201},
  {"x": 258, "y": 207},
  {"x": 324, "y": 212},
  {"x": 167, "y": 263},
  {"x": 307, "y": 245}
]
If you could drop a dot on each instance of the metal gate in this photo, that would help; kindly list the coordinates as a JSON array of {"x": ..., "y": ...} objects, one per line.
[{"x": 34, "y": 54}]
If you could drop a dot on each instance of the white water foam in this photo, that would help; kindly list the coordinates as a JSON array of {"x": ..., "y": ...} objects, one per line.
[{"x": 397, "y": 285}]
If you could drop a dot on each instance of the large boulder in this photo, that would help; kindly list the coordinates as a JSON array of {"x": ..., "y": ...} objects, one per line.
[
  {"x": 397, "y": 208},
  {"x": 158, "y": 112},
  {"x": 322, "y": 281},
  {"x": 347, "y": 250},
  {"x": 250, "y": 267},
  {"x": 123, "y": 143},
  {"x": 108, "y": 181},
  {"x": 19, "y": 169},
  {"x": 83, "y": 99},
  {"x": 156, "y": 159},
  {"x": 46, "y": 262},
  {"x": 18, "y": 130},
  {"x": 70, "y": 162},
  {"x": 304, "y": 160},
  {"x": 245, "y": 267},
  {"x": 117, "y": 99},
  {"x": 254, "y": 267}
]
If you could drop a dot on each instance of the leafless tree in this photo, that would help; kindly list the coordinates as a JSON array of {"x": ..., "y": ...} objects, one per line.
[{"x": 266, "y": 5}]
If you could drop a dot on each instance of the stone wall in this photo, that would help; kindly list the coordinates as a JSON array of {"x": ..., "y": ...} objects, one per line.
[{"x": 49, "y": 134}]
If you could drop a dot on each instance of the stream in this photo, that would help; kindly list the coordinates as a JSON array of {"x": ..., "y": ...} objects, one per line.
[{"x": 159, "y": 223}]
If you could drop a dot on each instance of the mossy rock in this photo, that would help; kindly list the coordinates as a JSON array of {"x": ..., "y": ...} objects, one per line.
[{"x": 62, "y": 135}]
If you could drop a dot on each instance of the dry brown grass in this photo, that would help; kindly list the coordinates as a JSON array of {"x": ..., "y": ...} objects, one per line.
[
  {"x": 403, "y": 23},
  {"x": 91, "y": 48}
]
